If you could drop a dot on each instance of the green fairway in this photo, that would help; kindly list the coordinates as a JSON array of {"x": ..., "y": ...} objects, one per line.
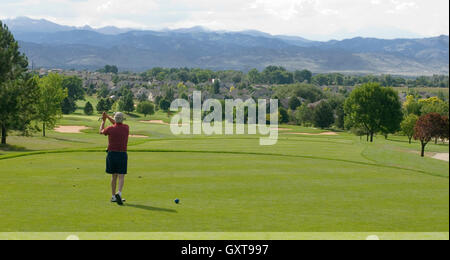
[{"x": 305, "y": 183}]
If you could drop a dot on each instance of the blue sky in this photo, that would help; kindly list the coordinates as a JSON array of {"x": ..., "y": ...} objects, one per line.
[{"x": 314, "y": 19}]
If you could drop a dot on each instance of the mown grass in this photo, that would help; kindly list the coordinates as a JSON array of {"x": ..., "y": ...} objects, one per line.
[{"x": 225, "y": 183}]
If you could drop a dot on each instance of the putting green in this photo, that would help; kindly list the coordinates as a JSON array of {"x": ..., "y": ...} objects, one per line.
[{"x": 226, "y": 184}]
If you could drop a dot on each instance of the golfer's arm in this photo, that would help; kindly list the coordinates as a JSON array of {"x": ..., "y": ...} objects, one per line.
[
  {"x": 102, "y": 127},
  {"x": 112, "y": 120}
]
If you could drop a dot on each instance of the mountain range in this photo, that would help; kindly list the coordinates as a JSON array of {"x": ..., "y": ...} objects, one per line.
[{"x": 51, "y": 45}]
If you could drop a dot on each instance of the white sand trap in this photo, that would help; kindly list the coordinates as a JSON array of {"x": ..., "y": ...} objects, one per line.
[
  {"x": 441, "y": 156},
  {"x": 326, "y": 133},
  {"x": 138, "y": 136},
  {"x": 71, "y": 129},
  {"x": 158, "y": 122}
]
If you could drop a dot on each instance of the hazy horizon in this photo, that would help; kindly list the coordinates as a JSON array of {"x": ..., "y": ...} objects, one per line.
[{"x": 312, "y": 19}]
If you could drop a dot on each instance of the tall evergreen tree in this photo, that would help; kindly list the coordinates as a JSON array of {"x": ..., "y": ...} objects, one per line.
[
  {"x": 18, "y": 92},
  {"x": 88, "y": 109},
  {"x": 126, "y": 104}
]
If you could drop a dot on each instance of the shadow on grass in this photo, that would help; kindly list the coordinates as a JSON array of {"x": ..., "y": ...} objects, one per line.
[
  {"x": 13, "y": 148},
  {"x": 413, "y": 142},
  {"x": 149, "y": 208},
  {"x": 402, "y": 141}
]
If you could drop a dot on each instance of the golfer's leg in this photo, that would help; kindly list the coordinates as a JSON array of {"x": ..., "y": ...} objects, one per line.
[
  {"x": 121, "y": 182},
  {"x": 114, "y": 184}
]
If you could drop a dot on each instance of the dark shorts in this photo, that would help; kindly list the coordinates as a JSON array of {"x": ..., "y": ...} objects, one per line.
[{"x": 117, "y": 163}]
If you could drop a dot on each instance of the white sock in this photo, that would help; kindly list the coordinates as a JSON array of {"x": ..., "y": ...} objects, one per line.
[{"x": 120, "y": 194}]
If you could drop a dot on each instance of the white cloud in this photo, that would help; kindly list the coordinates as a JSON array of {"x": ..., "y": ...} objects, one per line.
[
  {"x": 286, "y": 9},
  {"x": 318, "y": 19},
  {"x": 399, "y": 6}
]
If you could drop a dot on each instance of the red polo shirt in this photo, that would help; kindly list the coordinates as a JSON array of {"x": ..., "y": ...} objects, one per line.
[{"x": 117, "y": 137}]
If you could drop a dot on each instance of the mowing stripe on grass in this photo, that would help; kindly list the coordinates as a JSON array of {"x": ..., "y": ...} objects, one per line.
[
  {"x": 7, "y": 157},
  {"x": 300, "y": 139}
]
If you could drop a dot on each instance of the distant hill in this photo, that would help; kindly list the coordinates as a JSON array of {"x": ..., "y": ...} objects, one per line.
[{"x": 51, "y": 45}]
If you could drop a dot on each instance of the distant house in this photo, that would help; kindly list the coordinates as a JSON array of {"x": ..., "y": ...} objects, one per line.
[
  {"x": 151, "y": 98},
  {"x": 214, "y": 81}
]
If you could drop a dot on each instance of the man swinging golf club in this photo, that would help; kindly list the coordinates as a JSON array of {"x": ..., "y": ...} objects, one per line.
[{"x": 117, "y": 159}]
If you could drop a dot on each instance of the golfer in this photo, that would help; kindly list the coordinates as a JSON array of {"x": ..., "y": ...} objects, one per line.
[{"x": 117, "y": 159}]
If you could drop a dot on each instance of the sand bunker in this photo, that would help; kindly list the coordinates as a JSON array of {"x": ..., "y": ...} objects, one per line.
[
  {"x": 71, "y": 129},
  {"x": 326, "y": 133},
  {"x": 138, "y": 136},
  {"x": 158, "y": 122},
  {"x": 441, "y": 156}
]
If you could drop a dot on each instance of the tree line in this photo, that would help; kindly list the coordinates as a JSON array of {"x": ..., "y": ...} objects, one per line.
[{"x": 281, "y": 76}]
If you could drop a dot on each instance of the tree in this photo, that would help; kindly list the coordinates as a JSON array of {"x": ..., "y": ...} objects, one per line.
[
  {"x": 164, "y": 104},
  {"x": 375, "y": 108},
  {"x": 109, "y": 69},
  {"x": 75, "y": 92},
  {"x": 408, "y": 125},
  {"x": 254, "y": 76},
  {"x": 103, "y": 92},
  {"x": 18, "y": 106},
  {"x": 277, "y": 75},
  {"x": 203, "y": 76},
  {"x": 216, "y": 86},
  {"x": 74, "y": 86},
  {"x": 68, "y": 106},
  {"x": 183, "y": 76},
  {"x": 445, "y": 128},
  {"x": 284, "y": 116},
  {"x": 337, "y": 102},
  {"x": 158, "y": 101},
  {"x": 90, "y": 90},
  {"x": 340, "y": 117},
  {"x": 88, "y": 109},
  {"x": 321, "y": 80},
  {"x": 102, "y": 105},
  {"x": 18, "y": 91},
  {"x": 323, "y": 115},
  {"x": 411, "y": 106},
  {"x": 427, "y": 127},
  {"x": 303, "y": 115},
  {"x": 52, "y": 94},
  {"x": 302, "y": 76},
  {"x": 126, "y": 103},
  {"x": 294, "y": 103},
  {"x": 308, "y": 92},
  {"x": 237, "y": 78},
  {"x": 146, "y": 108},
  {"x": 438, "y": 107}
]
